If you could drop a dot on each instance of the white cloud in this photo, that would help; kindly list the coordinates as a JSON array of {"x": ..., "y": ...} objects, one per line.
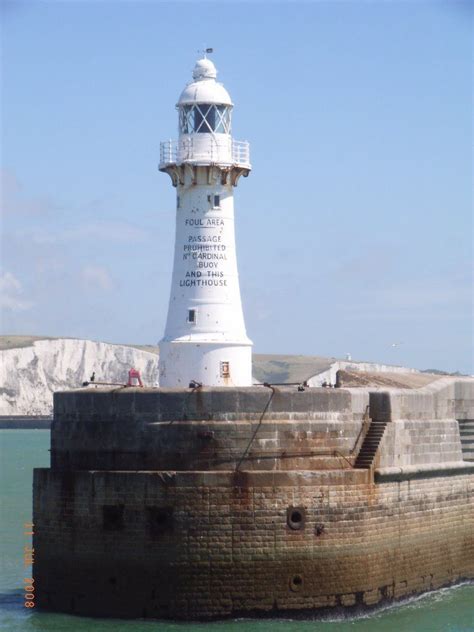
[
  {"x": 10, "y": 293},
  {"x": 9, "y": 283},
  {"x": 96, "y": 277}
]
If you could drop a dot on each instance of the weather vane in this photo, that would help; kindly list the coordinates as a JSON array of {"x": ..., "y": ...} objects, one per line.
[{"x": 206, "y": 51}]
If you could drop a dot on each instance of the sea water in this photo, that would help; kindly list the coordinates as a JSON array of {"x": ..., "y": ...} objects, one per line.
[{"x": 447, "y": 610}]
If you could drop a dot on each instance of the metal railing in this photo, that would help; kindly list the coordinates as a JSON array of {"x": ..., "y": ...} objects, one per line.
[
  {"x": 226, "y": 151},
  {"x": 168, "y": 152},
  {"x": 241, "y": 152}
]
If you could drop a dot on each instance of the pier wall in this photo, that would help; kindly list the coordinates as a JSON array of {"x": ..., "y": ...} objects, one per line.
[
  {"x": 207, "y": 504},
  {"x": 191, "y": 545}
]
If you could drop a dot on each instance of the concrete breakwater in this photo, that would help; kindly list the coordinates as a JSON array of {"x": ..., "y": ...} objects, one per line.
[{"x": 181, "y": 504}]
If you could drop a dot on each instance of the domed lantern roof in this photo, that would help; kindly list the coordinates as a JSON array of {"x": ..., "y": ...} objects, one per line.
[
  {"x": 204, "y": 88},
  {"x": 204, "y": 69}
]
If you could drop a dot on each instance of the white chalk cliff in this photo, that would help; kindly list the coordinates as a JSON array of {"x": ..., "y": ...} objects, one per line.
[{"x": 29, "y": 375}]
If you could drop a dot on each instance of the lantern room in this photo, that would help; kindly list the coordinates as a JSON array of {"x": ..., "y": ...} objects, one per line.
[
  {"x": 205, "y": 111},
  {"x": 205, "y": 124}
]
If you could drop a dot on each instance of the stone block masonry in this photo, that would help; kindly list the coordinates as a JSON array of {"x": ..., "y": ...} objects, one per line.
[
  {"x": 150, "y": 509},
  {"x": 159, "y": 429},
  {"x": 206, "y": 545}
]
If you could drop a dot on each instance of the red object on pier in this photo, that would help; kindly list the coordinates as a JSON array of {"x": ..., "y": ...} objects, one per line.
[{"x": 134, "y": 378}]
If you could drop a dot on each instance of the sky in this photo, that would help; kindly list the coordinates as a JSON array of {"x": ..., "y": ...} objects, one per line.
[{"x": 354, "y": 229}]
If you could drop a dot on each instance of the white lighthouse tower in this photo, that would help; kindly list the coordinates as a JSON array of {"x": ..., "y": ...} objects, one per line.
[{"x": 205, "y": 339}]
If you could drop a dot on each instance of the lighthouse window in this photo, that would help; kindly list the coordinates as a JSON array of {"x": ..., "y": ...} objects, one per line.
[
  {"x": 204, "y": 118},
  {"x": 191, "y": 315},
  {"x": 217, "y": 201},
  {"x": 225, "y": 369}
]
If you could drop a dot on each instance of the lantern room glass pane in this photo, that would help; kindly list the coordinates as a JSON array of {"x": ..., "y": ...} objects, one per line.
[
  {"x": 222, "y": 119},
  {"x": 204, "y": 118},
  {"x": 186, "y": 119}
]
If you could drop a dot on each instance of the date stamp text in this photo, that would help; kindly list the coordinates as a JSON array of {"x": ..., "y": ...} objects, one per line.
[{"x": 28, "y": 561}]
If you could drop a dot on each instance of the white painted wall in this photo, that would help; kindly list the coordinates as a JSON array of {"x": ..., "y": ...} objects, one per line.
[
  {"x": 205, "y": 279},
  {"x": 329, "y": 376}
]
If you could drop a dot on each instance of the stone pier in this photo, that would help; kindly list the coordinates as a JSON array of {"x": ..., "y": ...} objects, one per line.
[{"x": 218, "y": 502}]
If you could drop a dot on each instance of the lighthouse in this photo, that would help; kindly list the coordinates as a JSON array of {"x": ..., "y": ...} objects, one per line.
[{"x": 205, "y": 341}]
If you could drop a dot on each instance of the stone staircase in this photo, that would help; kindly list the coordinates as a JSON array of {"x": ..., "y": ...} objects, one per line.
[
  {"x": 370, "y": 445},
  {"x": 466, "y": 430}
]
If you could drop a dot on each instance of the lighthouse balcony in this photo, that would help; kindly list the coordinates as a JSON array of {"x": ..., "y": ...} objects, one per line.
[{"x": 207, "y": 149}]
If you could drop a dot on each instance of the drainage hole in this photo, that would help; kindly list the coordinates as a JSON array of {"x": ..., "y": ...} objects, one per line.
[
  {"x": 295, "y": 517},
  {"x": 296, "y": 583}
]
